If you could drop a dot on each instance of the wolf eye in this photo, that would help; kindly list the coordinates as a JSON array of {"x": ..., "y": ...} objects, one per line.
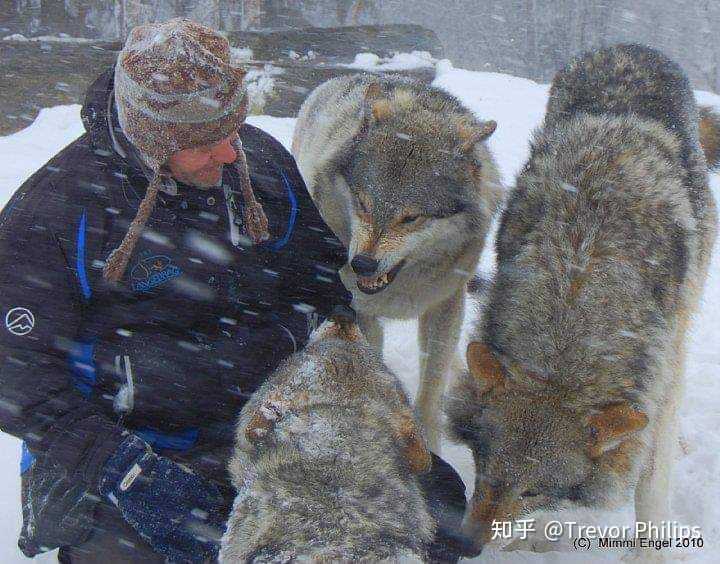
[
  {"x": 408, "y": 219},
  {"x": 364, "y": 208},
  {"x": 529, "y": 494}
]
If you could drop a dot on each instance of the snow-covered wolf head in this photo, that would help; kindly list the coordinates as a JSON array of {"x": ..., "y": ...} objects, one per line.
[{"x": 327, "y": 451}]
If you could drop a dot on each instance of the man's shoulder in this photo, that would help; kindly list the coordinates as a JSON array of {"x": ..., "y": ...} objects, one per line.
[
  {"x": 273, "y": 168},
  {"x": 76, "y": 160},
  {"x": 77, "y": 176}
]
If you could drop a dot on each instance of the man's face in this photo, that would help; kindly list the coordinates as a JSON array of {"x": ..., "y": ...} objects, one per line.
[{"x": 202, "y": 166}]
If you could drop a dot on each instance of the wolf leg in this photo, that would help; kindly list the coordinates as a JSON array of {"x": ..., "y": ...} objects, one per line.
[
  {"x": 652, "y": 494},
  {"x": 372, "y": 329},
  {"x": 438, "y": 332}
]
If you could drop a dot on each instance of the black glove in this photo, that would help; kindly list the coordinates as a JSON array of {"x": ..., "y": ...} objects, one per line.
[{"x": 180, "y": 514}]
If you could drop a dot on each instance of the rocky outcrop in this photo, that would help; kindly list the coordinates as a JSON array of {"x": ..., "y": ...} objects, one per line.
[{"x": 283, "y": 66}]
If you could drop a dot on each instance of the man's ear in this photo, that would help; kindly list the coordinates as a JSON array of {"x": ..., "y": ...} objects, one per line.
[
  {"x": 612, "y": 425},
  {"x": 273, "y": 409},
  {"x": 484, "y": 366},
  {"x": 412, "y": 445}
]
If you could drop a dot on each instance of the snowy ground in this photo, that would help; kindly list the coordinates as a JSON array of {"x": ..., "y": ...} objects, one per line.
[{"x": 517, "y": 105}]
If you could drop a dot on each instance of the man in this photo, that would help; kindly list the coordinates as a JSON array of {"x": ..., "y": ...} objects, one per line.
[{"x": 148, "y": 286}]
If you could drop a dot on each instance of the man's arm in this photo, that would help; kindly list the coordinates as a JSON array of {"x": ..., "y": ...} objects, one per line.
[
  {"x": 47, "y": 374},
  {"x": 45, "y": 365}
]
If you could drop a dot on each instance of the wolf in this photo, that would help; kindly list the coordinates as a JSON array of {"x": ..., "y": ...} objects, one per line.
[
  {"x": 575, "y": 370},
  {"x": 402, "y": 174},
  {"x": 326, "y": 460}
]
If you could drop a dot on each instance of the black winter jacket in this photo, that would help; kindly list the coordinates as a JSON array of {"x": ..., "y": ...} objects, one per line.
[{"x": 174, "y": 350}]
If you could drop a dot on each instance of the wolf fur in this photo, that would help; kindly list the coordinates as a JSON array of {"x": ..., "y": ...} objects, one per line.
[
  {"x": 326, "y": 456},
  {"x": 401, "y": 172},
  {"x": 709, "y": 133},
  {"x": 575, "y": 372}
]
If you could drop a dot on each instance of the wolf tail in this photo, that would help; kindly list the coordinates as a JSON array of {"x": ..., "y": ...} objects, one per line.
[{"x": 710, "y": 136}]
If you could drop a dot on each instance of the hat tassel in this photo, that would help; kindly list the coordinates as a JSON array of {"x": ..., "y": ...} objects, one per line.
[
  {"x": 255, "y": 221},
  {"x": 117, "y": 261}
]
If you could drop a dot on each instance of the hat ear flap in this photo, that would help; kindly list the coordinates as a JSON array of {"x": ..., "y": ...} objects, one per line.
[
  {"x": 612, "y": 425},
  {"x": 412, "y": 444},
  {"x": 484, "y": 366}
]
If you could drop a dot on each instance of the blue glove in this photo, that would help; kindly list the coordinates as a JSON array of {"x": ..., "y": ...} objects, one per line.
[{"x": 176, "y": 511}]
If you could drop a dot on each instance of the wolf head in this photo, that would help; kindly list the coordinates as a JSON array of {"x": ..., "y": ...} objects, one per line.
[
  {"x": 337, "y": 374},
  {"x": 532, "y": 453},
  {"x": 419, "y": 178},
  {"x": 325, "y": 460}
]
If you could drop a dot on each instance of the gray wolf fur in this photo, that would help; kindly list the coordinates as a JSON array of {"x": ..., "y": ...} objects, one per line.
[
  {"x": 401, "y": 173},
  {"x": 325, "y": 461},
  {"x": 575, "y": 372}
]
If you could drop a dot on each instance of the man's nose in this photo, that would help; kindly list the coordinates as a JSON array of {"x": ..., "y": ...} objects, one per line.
[
  {"x": 224, "y": 152},
  {"x": 364, "y": 265}
]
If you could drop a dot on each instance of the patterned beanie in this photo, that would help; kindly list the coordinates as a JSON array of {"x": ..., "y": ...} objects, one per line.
[{"x": 175, "y": 89}]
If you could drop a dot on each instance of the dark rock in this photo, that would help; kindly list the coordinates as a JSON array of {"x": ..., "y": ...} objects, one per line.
[
  {"x": 339, "y": 43},
  {"x": 295, "y": 81},
  {"x": 38, "y": 74},
  {"x": 35, "y": 75}
]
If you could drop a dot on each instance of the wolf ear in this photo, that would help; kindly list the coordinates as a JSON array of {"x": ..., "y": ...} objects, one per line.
[
  {"x": 412, "y": 444},
  {"x": 472, "y": 134},
  {"x": 612, "y": 425},
  {"x": 377, "y": 107},
  {"x": 484, "y": 366},
  {"x": 273, "y": 409}
]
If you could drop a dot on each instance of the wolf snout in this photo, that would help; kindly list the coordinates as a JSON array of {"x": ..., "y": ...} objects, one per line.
[
  {"x": 475, "y": 534},
  {"x": 343, "y": 315},
  {"x": 364, "y": 265}
]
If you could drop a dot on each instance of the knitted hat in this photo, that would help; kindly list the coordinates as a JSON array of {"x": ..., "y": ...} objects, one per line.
[{"x": 176, "y": 89}]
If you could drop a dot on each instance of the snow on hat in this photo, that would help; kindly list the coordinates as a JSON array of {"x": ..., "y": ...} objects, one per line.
[{"x": 175, "y": 89}]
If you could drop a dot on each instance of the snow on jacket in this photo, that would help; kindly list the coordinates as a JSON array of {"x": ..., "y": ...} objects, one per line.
[{"x": 171, "y": 353}]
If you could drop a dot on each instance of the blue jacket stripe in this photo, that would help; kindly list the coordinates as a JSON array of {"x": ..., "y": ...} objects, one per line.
[
  {"x": 82, "y": 366},
  {"x": 280, "y": 243},
  {"x": 179, "y": 441},
  {"x": 26, "y": 458},
  {"x": 80, "y": 264}
]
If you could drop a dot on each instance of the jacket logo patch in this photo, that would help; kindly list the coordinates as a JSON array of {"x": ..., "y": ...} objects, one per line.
[
  {"x": 19, "y": 321},
  {"x": 152, "y": 272}
]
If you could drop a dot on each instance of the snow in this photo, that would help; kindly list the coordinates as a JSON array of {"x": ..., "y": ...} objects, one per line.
[
  {"x": 240, "y": 55},
  {"x": 260, "y": 85},
  {"x": 59, "y": 38},
  {"x": 517, "y": 105},
  {"x": 399, "y": 61}
]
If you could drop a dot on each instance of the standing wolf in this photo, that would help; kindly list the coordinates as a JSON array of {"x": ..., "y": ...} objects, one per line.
[
  {"x": 576, "y": 372},
  {"x": 325, "y": 462},
  {"x": 402, "y": 174}
]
